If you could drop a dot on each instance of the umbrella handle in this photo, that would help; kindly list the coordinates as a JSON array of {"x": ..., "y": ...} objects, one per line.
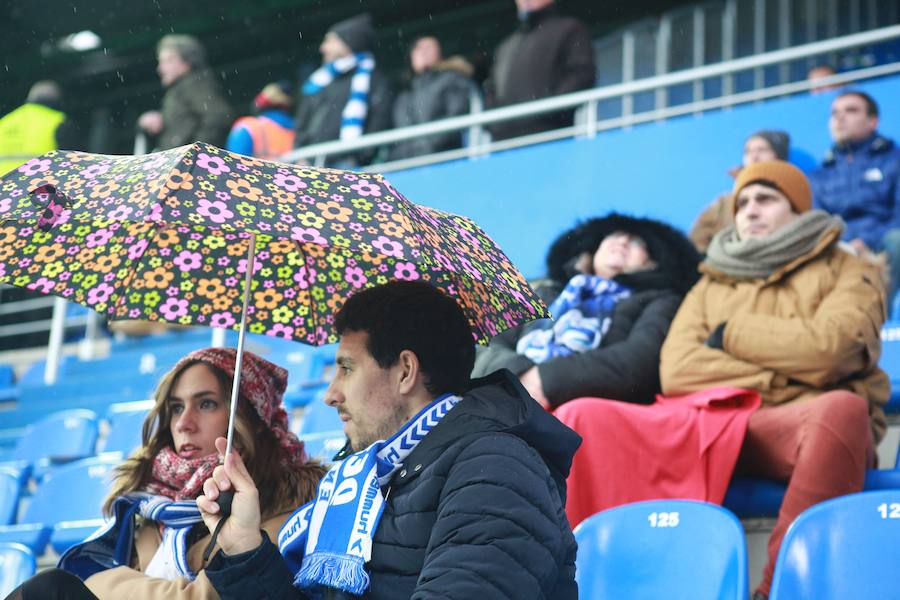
[{"x": 224, "y": 501}]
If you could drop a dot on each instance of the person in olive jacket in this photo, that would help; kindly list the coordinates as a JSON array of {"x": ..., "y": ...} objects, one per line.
[
  {"x": 464, "y": 481},
  {"x": 194, "y": 108},
  {"x": 651, "y": 260}
]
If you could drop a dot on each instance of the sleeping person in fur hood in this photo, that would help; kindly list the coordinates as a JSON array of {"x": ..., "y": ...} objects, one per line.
[{"x": 613, "y": 286}]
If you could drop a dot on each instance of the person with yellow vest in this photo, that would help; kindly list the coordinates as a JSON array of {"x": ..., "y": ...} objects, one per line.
[
  {"x": 270, "y": 133},
  {"x": 36, "y": 127}
]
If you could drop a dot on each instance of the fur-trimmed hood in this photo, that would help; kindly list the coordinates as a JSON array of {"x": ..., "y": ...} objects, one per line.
[{"x": 675, "y": 256}]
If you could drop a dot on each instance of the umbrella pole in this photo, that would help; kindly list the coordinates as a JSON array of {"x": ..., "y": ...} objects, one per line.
[{"x": 236, "y": 385}]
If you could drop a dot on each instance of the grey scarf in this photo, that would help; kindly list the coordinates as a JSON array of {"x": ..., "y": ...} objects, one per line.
[{"x": 758, "y": 258}]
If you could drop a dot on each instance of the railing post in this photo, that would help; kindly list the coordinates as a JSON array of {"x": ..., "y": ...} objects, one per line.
[
  {"x": 591, "y": 118},
  {"x": 218, "y": 338},
  {"x": 140, "y": 142},
  {"x": 54, "y": 346},
  {"x": 476, "y": 105},
  {"x": 88, "y": 347}
]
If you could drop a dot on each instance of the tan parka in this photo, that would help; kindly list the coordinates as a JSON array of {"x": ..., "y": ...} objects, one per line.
[
  {"x": 132, "y": 584},
  {"x": 812, "y": 326}
]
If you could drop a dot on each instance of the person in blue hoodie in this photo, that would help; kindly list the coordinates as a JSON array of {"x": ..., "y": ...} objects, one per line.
[{"x": 859, "y": 180}]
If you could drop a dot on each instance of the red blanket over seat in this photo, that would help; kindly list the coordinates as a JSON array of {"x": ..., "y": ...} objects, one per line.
[{"x": 679, "y": 447}]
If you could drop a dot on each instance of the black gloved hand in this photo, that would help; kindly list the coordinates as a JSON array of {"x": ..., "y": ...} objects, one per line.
[{"x": 716, "y": 339}]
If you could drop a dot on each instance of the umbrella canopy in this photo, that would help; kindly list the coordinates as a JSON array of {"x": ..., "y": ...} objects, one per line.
[{"x": 165, "y": 236}]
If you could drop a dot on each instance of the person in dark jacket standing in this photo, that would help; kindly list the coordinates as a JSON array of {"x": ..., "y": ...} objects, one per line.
[
  {"x": 348, "y": 95},
  {"x": 439, "y": 89},
  {"x": 549, "y": 55},
  {"x": 194, "y": 108},
  {"x": 462, "y": 482},
  {"x": 656, "y": 263},
  {"x": 860, "y": 180}
]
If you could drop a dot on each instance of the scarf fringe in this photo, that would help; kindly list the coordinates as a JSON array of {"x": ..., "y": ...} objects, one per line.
[{"x": 338, "y": 571}]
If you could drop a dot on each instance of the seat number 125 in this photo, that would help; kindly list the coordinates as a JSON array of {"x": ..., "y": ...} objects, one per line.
[{"x": 663, "y": 519}]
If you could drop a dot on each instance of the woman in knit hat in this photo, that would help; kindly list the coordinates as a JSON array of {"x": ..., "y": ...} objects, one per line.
[
  {"x": 764, "y": 145},
  {"x": 156, "y": 545}
]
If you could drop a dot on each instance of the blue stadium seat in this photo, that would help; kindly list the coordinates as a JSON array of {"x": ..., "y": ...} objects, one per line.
[
  {"x": 10, "y": 490},
  {"x": 125, "y": 431},
  {"x": 890, "y": 358},
  {"x": 319, "y": 417},
  {"x": 8, "y": 391},
  {"x": 842, "y": 548},
  {"x": 16, "y": 565},
  {"x": 65, "y": 508},
  {"x": 321, "y": 430},
  {"x": 750, "y": 497},
  {"x": 62, "y": 436},
  {"x": 679, "y": 549},
  {"x": 308, "y": 368}
]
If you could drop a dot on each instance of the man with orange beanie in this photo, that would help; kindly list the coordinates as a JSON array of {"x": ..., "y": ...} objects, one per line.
[{"x": 785, "y": 309}]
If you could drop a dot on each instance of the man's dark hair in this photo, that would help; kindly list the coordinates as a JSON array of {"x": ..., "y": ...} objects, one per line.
[
  {"x": 414, "y": 316},
  {"x": 871, "y": 105}
]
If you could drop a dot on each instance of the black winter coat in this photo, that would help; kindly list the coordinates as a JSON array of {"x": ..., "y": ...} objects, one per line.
[
  {"x": 194, "y": 109},
  {"x": 319, "y": 116},
  {"x": 625, "y": 366},
  {"x": 436, "y": 94},
  {"x": 476, "y": 512},
  {"x": 549, "y": 55}
]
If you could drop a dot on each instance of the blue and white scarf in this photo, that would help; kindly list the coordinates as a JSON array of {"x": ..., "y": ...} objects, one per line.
[
  {"x": 582, "y": 312},
  {"x": 353, "y": 118},
  {"x": 327, "y": 542},
  {"x": 111, "y": 546}
]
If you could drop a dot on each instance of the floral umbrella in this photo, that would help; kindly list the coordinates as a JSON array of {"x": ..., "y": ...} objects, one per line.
[
  {"x": 162, "y": 236},
  {"x": 165, "y": 236}
]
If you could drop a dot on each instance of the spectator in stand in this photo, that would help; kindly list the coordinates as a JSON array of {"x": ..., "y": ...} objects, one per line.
[
  {"x": 38, "y": 126},
  {"x": 194, "y": 108},
  {"x": 784, "y": 309},
  {"x": 859, "y": 180},
  {"x": 155, "y": 545},
  {"x": 634, "y": 272},
  {"x": 348, "y": 95},
  {"x": 549, "y": 55},
  {"x": 764, "y": 145},
  {"x": 439, "y": 89},
  {"x": 472, "y": 474},
  {"x": 270, "y": 133},
  {"x": 822, "y": 72}
]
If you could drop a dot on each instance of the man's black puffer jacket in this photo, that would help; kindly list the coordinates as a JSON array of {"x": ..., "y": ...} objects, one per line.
[{"x": 475, "y": 513}]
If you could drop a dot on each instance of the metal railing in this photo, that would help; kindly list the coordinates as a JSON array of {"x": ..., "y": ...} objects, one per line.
[
  {"x": 587, "y": 101},
  {"x": 587, "y": 124}
]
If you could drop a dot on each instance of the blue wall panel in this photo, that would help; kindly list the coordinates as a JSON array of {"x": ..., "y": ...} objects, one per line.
[{"x": 670, "y": 170}]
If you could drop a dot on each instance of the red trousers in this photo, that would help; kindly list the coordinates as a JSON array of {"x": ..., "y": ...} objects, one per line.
[{"x": 820, "y": 446}]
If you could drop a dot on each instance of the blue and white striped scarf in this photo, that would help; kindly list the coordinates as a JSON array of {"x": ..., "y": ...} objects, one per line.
[
  {"x": 111, "y": 546},
  {"x": 327, "y": 542},
  {"x": 353, "y": 118},
  {"x": 582, "y": 314}
]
